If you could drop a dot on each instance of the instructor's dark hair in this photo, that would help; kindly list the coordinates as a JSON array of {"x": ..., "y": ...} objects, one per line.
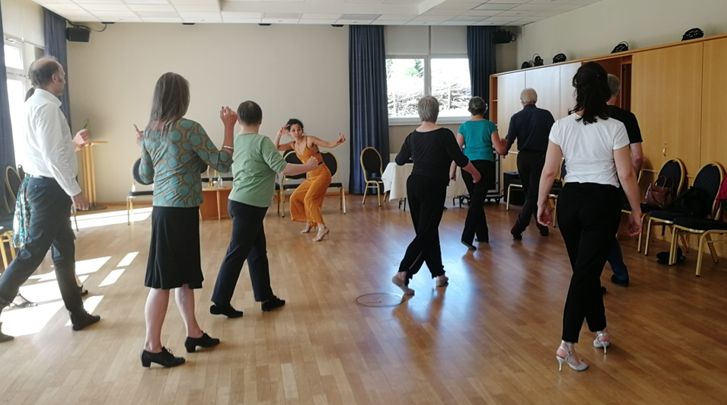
[
  {"x": 592, "y": 92},
  {"x": 293, "y": 121}
]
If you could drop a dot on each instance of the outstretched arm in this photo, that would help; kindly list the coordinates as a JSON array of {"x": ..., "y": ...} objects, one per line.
[{"x": 332, "y": 144}]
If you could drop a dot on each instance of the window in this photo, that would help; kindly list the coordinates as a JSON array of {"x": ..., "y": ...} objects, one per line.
[
  {"x": 16, "y": 87},
  {"x": 427, "y": 61},
  {"x": 405, "y": 86}
]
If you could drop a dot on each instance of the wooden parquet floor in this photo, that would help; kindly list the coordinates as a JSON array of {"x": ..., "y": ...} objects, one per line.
[{"x": 489, "y": 337}]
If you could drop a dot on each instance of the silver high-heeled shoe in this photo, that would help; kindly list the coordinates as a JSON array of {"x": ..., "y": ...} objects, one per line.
[
  {"x": 566, "y": 354},
  {"x": 323, "y": 231},
  {"x": 602, "y": 340}
]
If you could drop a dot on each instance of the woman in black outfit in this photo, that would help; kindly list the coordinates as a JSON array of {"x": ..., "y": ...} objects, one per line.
[{"x": 432, "y": 149}]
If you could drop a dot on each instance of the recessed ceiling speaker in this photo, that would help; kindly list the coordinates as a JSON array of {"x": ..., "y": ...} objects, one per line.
[
  {"x": 78, "y": 34},
  {"x": 503, "y": 37}
]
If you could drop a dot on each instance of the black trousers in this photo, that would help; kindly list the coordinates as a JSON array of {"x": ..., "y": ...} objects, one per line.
[
  {"x": 247, "y": 243},
  {"x": 588, "y": 217},
  {"x": 50, "y": 228},
  {"x": 476, "y": 221},
  {"x": 529, "y": 166},
  {"x": 426, "y": 199}
]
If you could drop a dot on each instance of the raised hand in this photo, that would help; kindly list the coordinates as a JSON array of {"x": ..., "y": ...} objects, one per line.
[
  {"x": 283, "y": 131},
  {"x": 139, "y": 134},
  {"x": 228, "y": 116},
  {"x": 341, "y": 138}
]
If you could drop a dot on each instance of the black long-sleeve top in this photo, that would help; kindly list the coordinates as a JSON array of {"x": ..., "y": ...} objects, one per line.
[
  {"x": 531, "y": 127},
  {"x": 432, "y": 153}
]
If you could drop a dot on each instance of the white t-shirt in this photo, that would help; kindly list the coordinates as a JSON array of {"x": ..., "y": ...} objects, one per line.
[{"x": 588, "y": 149}]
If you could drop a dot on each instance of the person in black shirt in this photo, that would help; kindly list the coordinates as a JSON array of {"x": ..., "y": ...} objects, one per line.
[
  {"x": 432, "y": 149},
  {"x": 615, "y": 257},
  {"x": 531, "y": 128}
]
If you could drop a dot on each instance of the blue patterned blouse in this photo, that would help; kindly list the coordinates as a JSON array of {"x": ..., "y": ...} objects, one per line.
[{"x": 174, "y": 159}]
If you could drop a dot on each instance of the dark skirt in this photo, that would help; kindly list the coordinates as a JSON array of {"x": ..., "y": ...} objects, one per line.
[{"x": 174, "y": 250}]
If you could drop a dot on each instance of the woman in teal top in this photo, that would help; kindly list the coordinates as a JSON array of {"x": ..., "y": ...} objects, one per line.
[
  {"x": 256, "y": 162},
  {"x": 173, "y": 152},
  {"x": 478, "y": 138}
]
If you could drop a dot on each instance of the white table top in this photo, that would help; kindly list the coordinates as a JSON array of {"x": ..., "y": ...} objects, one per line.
[{"x": 394, "y": 179}]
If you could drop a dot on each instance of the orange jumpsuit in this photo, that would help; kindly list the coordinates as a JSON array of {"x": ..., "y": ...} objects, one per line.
[{"x": 307, "y": 200}]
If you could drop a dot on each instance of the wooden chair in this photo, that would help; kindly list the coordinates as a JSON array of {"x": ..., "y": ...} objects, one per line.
[
  {"x": 707, "y": 181},
  {"x": 135, "y": 192},
  {"x": 372, "y": 167}
]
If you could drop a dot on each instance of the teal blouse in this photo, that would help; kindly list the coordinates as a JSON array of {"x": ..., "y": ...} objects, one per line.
[
  {"x": 478, "y": 139},
  {"x": 174, "y": 159}
]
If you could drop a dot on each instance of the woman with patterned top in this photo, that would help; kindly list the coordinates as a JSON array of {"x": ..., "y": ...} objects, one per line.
[
  {"x": 306, "y": 201},
  {"x": 173, "y": 152}
]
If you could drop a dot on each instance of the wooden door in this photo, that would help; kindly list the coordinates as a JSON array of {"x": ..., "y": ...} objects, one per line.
[
  {"x": 714, "y": 109},
  {"x": 666, "y": 96}
]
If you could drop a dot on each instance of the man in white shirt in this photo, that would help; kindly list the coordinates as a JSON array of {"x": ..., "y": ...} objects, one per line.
[{"x": 51, "y": 169}]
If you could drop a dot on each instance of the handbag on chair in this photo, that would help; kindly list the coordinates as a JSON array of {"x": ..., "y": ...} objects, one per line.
[{"x": 660, "y": 193}]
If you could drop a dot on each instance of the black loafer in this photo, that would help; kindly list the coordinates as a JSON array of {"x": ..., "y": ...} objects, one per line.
[
  {"x": 272, "y": 304},
  {"x": 83, "y": 319},
  {"x": 619, "y": 281},
  {"x": 227, "y": 311}
]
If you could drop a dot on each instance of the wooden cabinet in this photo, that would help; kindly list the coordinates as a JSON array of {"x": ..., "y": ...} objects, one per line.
[
  {"x": 714, "y": 109},
  {"x": 666, "y": 97},
  {"x": 567, "y": 91},
  {"x": 546, "y": 82}
]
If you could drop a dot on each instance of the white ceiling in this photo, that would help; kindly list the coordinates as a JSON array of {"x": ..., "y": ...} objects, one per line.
[{"x": 381, "y": 12}]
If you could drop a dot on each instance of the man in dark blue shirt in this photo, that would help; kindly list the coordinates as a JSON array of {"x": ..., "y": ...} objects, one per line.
[{"x": 530, "y": 127}]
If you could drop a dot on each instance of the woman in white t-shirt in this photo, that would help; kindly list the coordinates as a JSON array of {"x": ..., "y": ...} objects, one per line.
[{"x": 596, "y": 152}]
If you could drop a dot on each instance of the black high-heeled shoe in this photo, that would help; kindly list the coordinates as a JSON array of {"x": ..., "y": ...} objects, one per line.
[
  {"x": 165, "y": 358},
  {"x": 203, "y": 341}
]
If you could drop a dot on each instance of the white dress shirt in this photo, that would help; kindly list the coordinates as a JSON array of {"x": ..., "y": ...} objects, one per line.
[{"x": 49, "y": 149}]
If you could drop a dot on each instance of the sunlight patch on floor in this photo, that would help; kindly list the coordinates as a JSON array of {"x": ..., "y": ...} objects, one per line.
[
  {"x": 112, "y": 278},
  {"x": 128, "y": 258},
  {"x": 88, "y": 266},
  {"x": 105, "y": 218},
  {"x": 28, "y": 321}
]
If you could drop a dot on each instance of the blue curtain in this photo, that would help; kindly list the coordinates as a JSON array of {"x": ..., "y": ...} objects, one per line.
[
  {"x": 7, "y": 154},
  {"x": 367, "y": 92},
  {"x": 54, "y": 33},
  {"x": 481, "y": 54}
]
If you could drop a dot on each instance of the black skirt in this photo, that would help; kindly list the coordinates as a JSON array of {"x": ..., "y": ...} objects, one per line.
[{"x": 174, "y": 250}]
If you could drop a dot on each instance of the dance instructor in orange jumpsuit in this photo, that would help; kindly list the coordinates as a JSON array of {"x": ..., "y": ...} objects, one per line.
[{"x": 307, "y": 199}]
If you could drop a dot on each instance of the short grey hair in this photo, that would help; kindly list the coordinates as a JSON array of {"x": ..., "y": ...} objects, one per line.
[
  {"x": 528, "y": 96},
  {"x": 428, "y": 108},
  {"x": 614, "y": 84}
]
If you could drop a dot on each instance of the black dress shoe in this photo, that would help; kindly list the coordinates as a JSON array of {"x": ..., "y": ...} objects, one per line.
[
  {"x": 544, "y": 231},
  {"x": 272, "y": 304},
  {"x": 619, "y": 281},
  {"x": 83, "y": 319},
  {"x": 164, "y": 358},
  {"x": 4, "y": 337},
  {"x": 203, "y": 341},
  {"x": 469, "y": 245},
  {"x": 227, "y": 311},
  {"x": 516, "y": 233}
]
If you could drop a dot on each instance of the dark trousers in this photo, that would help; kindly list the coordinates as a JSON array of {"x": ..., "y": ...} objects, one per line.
[
  {"x": 50, "y": 228},
  {"x": 529, "y": 166},
  {"x": 476, "y": 222},
  {"x": 588, "y": 217},
  {"x": 616, "y": 260},
  {"x": 247, "y": 243},
  {"x": 426, "y": 199}
]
